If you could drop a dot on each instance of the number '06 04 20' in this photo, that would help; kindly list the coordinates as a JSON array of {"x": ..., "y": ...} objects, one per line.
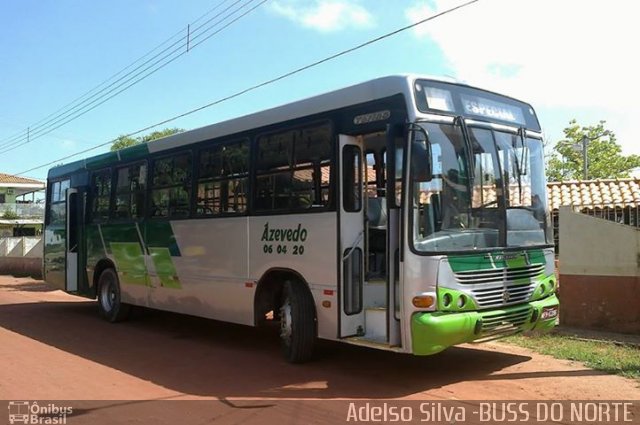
[{"x": 283, "y": 249}]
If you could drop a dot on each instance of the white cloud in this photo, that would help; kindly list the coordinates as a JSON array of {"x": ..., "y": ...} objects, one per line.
[
  {"x": 324, "y": 15},
  {"x": 567, "y": 54}
]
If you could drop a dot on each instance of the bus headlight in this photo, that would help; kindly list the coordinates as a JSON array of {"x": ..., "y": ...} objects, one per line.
[{"x": 462, "y": 300}]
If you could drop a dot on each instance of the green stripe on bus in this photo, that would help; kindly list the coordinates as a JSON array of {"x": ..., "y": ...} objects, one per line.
[
  {"x": 130, "y": 262},
  {"x": 496, "y": 260},
  {"x": 139, "y": 151},
  {"x": 164, "y": 267},
  {"x": 160, "y": 233},
  {"x": 102, "y": 160}
]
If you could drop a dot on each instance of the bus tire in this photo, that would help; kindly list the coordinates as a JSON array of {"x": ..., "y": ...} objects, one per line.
[
  {"x": 110, "y": 305},
  {"x": 297, "y": 323}
]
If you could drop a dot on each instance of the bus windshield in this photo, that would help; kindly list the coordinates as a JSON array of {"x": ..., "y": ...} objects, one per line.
[{"x": 487, "y": 190}]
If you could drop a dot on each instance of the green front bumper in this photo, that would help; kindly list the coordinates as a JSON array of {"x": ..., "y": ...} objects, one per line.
[{"x": 433, "y": 332}]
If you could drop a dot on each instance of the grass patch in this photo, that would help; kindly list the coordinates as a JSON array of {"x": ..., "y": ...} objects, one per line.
[{"x": 605, "y": 356}]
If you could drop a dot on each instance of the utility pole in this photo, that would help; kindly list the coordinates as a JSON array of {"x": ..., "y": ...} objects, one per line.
[{"x": 585, "y": 156}]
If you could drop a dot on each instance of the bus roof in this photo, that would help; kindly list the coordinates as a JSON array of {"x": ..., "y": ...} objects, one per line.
[
  {"x": 352, "y": 95},
  {"x": 360, "y": 93}
]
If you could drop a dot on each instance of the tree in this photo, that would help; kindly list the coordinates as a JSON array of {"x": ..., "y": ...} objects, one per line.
[
  {"x": 604, "y": 155},
  {"x": 126, "y": 141},
  {"x": 123, "y": 142}
]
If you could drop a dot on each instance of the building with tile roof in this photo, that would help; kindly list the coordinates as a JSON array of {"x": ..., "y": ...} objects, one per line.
[
  {"x": 14, "y": 187},
  {"x": 8, "y": 179},
  {"x": 606, "y": 193},
  {"x": 20, "y": 212},
  {"x": 612, "y": 199}
]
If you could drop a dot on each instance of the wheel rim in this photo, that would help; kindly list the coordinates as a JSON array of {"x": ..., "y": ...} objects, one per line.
[
  {"x": 285, "y": 322},
  {"x": 108, "y": 294}
]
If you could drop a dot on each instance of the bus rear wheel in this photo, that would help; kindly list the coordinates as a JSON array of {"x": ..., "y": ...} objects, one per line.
[
  {"x": 110, "y": 305},
  {"x": 297, "y": 323}
]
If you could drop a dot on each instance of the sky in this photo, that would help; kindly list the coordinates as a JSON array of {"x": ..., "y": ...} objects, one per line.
[{"x": 571, "y": 59}]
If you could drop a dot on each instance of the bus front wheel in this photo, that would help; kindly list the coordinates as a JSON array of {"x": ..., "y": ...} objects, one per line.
[
  {"x": 109, "y": 302},
  {"x": 297, "y": 323}
]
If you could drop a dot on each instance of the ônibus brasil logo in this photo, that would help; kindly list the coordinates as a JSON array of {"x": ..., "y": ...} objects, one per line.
[{"x": 27, "y": 412}]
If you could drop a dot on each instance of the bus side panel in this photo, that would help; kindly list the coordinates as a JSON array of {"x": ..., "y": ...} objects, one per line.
[
  {"x": 305, "y": 243},
  {"x": 121, "y": 244},
  {"x": 95, "y": 252},
  {"x": 201, "y": 268},
  {"x": 420, "y": 276}
]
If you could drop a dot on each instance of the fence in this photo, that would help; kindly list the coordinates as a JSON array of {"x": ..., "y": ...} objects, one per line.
[
  {"x": 22, "y": 210},
  {"x": 25, "y": 246}
]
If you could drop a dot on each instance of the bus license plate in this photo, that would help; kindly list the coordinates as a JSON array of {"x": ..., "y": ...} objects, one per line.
[{"x": 549, "y": 313}]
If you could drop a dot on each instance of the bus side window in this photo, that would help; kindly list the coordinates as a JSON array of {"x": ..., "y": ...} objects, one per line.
[
  {"x": 223, "y": 176},
  {"x": 131, "y": 182},
  {"x": 352, "y": 178},
  {"x": 58, "y": 203},
  {"x": 171, "y": 186},
  {"x": 100, "y": 195},
  {"x": 293, "y": 169}
]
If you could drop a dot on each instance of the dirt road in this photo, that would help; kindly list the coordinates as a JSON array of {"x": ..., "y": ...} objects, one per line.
[{"x": 53, "y": 346}]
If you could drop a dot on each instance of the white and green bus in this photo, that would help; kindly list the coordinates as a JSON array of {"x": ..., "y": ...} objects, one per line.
[{"x": 405, "y": 213}]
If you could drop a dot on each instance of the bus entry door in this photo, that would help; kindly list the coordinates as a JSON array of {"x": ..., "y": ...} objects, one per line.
[
  {"x": 73, "y": 224},
  {"x": 352, "y": 235}
]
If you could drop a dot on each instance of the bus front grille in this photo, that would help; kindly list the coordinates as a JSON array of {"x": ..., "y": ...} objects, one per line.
[
  {"x": 501, "y": 286},
  {"x": 501, "y": 323},
  {"x": 495, "y": 296}
]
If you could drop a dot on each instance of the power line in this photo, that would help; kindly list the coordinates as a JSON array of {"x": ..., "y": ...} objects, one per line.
[
  {"x": 265, "y": 83},
  {"x": 149, "y": 67},
  {"x": 22, "y": 133}
]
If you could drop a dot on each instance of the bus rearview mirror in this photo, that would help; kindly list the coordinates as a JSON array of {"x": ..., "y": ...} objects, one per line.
[
  {"x": 421, "y": 162},
  {"x": 421, "y": 167}
]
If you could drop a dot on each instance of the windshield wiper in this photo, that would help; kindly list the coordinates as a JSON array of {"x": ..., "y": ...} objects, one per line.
[
  {"x": 519, "y": 162},
  {"x": 523, "y": 142},
  {"x": 459, "y": 120}
]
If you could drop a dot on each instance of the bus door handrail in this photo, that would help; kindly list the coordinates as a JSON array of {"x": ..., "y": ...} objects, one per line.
[{"x": 353, "y": 247}]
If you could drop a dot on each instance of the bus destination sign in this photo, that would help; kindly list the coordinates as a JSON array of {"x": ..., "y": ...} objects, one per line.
[{"x": 474, "y": 105}]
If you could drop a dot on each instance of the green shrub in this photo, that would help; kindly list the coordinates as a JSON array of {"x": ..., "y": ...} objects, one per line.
[{"x": 10, "y": 215}]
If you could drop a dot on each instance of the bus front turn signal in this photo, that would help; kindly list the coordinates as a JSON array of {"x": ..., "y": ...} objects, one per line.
[{"x": 423, "y": 301}]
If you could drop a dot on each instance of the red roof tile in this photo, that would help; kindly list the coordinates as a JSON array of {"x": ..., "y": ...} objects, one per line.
[
  {"x": 8, "y": 178},
  {"x": 594, "y": 193}
]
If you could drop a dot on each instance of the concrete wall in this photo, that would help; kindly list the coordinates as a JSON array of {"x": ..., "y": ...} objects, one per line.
[
  {"x": 599, "y": 273},
  {"x": 21, "y": 256},
  {"x": 21, "y": 266}
]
